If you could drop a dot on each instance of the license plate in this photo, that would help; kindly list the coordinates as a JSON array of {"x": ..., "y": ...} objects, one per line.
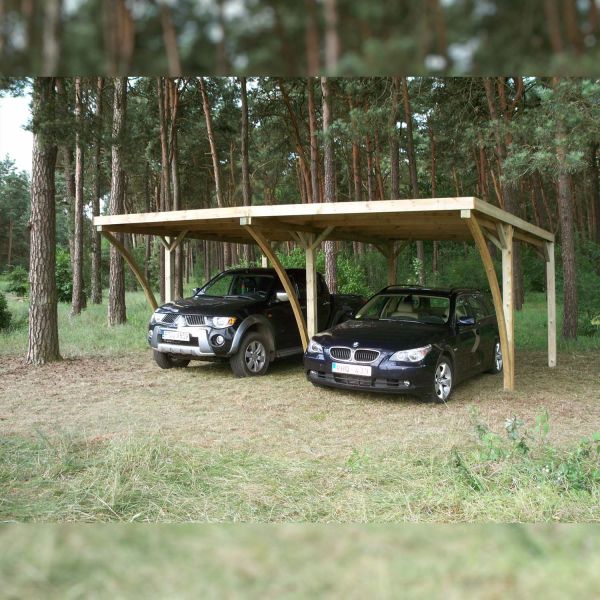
[
  {"x": 176, "y": 336},
  {"x": 351, "y": 369}
]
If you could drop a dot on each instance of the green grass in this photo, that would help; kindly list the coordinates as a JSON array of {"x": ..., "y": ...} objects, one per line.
[
  {"x": 144, "y": 479},
  {"x": 294, "y": 562}
]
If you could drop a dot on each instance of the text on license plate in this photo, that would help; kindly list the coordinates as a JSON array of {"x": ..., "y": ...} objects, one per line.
[
  {"x": 179, "y": 336},
  {"x": 351, "y": 369}
]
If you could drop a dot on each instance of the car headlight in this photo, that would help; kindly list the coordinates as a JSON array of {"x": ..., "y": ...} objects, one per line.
[
  {"x": 412, "y": 356},
  {"x": 314, "y": 347},
  {"x": 158, "y": 317},
  {"x": 222, "y": 322}
]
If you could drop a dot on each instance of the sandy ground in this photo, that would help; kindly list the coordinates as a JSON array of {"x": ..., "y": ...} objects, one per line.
[{"x": 282, "y": 414}]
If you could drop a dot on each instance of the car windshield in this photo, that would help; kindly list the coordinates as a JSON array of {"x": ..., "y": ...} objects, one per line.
[
  {"x": 238, "y": 284},
  {"x": 421, "y": 308}
]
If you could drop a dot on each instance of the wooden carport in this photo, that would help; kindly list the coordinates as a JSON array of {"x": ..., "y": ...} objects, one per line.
[{"x": 389, "y": 225}]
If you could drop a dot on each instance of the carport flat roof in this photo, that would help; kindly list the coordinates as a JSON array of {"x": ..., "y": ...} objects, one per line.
[{"x": 373, "y": 222}]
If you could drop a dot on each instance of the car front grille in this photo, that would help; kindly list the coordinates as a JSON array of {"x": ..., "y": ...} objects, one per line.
[
  {"x": 361, "y": 355},
  {"x": 366, "y": 356},
  {"x": 341, "y": 353},
  {"x": 169, "y": 319},
  {"x": 193, "y": 320}
]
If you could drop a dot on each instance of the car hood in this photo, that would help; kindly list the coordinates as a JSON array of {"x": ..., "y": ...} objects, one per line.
[
  {"x": 390, "y": 336},
  {"x": 214, "y": 306}
]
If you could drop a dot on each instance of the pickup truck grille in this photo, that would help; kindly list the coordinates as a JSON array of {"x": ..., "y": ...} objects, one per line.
[
  {"x": 190, "y": 320},
  {"x": 361, "y": 355}
]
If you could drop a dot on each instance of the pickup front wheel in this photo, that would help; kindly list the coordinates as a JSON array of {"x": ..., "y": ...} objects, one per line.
[
  {"x": 252, "y": 358},
  {"x": 164, "y": 361}
]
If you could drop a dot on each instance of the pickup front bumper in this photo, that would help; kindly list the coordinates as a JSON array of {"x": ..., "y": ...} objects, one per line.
[{"x": 204, "y": 341}]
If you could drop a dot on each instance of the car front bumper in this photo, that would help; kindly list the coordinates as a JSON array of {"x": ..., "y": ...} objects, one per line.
[
  {"x": 386, "y": 377},
  {"x": 199, "y": 346}
]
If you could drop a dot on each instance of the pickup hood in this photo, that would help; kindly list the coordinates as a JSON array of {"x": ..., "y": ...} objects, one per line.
[
  {"x": 387, "y": 336},
  {"x": 212, "y": 306}
]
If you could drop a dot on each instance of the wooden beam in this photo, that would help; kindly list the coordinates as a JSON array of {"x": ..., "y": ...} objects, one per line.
[
  {"x": 168, "y": 271},
  {"x": 551, "y": 297},
  {"x": 130, "y": 260},
  {"x": 264, "y": 245},
  {"x": 481, "y": 244},
  {"x": 492, "y": 238},
  {"x": 312, "y": 317},
  {"x": 508, "y": 291},
  {"x": 323, "y": 235}
]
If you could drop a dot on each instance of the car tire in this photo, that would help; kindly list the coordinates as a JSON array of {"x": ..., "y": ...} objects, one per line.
[
  {"x": 164, "y": 361},
  {"x": 442, "y": 383},
  {"x": 252, "y": 359},
  {"x": 497, "y": 360}
]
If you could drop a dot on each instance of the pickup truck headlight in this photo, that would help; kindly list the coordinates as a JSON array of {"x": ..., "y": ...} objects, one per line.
[
  {"x": 314, "y": 348},
  {"x": 411, "y": 356},
  {"x": 221, "y": 322},
  {"x": 158, "y": 317}
]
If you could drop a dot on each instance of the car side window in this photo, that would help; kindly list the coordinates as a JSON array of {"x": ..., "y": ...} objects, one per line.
[
  {"x": 462, "y": 307},
  {"x": 478, "y": 307}
]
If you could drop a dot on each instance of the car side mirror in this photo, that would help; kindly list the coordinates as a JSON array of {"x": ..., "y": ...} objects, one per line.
[
  {"x": 466, "y": 322},
  {"x": 282, "y": 297},
  {"x": 195, "y": 291}
]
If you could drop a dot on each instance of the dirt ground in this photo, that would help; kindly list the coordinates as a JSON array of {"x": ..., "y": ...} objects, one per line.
[{"x": 281, "y": 414}]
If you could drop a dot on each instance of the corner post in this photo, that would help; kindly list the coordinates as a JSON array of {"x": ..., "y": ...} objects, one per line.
[
  {"x": 506, "y": 239},
  {"x": 551, "y": 296},
  {"x": 168, "y": 271},
  {"x": 311, "y": 286}
]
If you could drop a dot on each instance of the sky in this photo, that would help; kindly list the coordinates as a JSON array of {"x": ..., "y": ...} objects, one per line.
[{"x": 14, "y": 140}]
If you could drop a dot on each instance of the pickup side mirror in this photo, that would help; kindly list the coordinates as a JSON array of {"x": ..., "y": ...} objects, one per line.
[
  {"x": 282, "y": 297},
  {"x": 195, "y": 291},
  {"x": 466, "y": 322}
]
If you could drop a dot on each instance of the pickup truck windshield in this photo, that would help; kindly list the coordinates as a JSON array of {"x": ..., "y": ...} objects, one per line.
[
  {"x": 407, "y": 307},
  {"x": 238, "y": 284}
]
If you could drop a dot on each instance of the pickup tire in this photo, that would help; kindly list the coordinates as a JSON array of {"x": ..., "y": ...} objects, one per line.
[
  {"x": 164, "y": 361},
  {"x": 252, "y": 358}
]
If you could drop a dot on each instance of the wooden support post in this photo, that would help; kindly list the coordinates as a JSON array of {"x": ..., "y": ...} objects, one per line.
[
  {"x": 508, "y": 284},
  {"x": 130, "y": 260},
  {"x": 311, "y": 286},
  {"x": 476, "y": 232},
  {"x": 168, "y": 272},
  {"x": 551, "y": 294},
  {"x": 265, "y": 247}
]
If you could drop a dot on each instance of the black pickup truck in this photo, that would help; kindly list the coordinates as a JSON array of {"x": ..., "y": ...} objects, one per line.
[{"x": 242, "y": 315}]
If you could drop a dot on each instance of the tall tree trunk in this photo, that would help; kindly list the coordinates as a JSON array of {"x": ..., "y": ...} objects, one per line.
[
  {"x": 3, "y": 27},
  {"x": 567, "y": 237},
  {"x": 314, "y": 142},
  {"x": 96, "y": 173},
  {"x": 43, "y": 346},
  {"x": 332, "y": 36},
  {"x": 412, "y": 167},
  {"x": 215, "y": 159},
  {"x": 553, "y": 25},
  {"x": 394, "y": 144},
  {"x": 170, "y": 41},
  {"x": 595, "y": 185},
  {"x": 329, "y": 171},
  {"x": 312, "y": 39},
  {"x": 571, "y": 16},
  {"x": 52, "y": 37},
  {"x": 117, "y": 313},
  {"x": 246, "y": 187},
  {"x": 223, "y": 65},
  {"x": 434, "y": 267},
  {"x": 10, "y": 244},
  {"x": 77, "y": 300},
  {"x": 173, "y": 89}
]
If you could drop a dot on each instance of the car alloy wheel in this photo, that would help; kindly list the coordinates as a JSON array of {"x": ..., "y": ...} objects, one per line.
[
  {"x": 498, "y": 362},
  {"x": 443, "y": 381},
  {"x": 255, "y": 356}
]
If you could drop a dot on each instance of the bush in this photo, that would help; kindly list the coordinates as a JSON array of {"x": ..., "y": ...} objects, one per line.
[
  {"x": 18, "y": 281},
  {"x": 64, "y": 275},
  {"x": 5, "y": 315}
]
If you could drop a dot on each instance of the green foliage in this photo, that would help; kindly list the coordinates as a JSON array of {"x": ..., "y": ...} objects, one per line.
[
  {"x": 18, "y": 281},
  {"x": 5, "y": 316},
  {"x": 576, "y": 469},
  {"x": 64, "y": 275}
]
